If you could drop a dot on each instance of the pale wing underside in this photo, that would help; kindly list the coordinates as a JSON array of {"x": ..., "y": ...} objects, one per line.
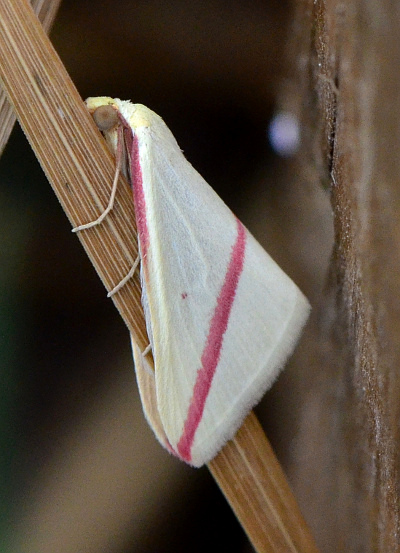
[
  {"x": 147, "y": 389},
  {"x": 191, "y": 237}
]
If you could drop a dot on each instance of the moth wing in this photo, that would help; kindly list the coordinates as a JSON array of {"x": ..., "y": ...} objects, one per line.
[
  {"x": 191, "y": 240},
  {"x": 147, "y": 389}
]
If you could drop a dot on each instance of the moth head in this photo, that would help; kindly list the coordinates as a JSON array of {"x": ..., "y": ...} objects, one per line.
[
  {"x": 104, "y": 112},
  {"x": 105, "y": 117}
]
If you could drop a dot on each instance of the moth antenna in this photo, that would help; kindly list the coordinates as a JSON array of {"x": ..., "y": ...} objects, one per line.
[{"x": 114, "y": 185}]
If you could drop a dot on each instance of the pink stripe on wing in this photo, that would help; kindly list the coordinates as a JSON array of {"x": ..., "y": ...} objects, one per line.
[
  {"x": 139, "y": 198},
  {"x": 212, "y": 349}
]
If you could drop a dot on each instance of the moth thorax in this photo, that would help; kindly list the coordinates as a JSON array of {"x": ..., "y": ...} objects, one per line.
[{"x": 105, "y": 117}]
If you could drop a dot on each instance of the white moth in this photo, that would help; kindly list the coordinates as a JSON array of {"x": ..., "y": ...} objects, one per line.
[{"x": 222, "y": 317}]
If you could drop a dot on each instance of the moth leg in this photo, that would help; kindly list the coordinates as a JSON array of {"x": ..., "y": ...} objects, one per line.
[
  {"x": 146, "y": 350},
  {"x": 108, "y": 208},
  {"x": 125, "y": 279}
]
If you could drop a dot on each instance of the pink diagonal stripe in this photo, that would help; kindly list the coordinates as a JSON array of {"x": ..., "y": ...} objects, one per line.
[{"x": 213, "y": 346}]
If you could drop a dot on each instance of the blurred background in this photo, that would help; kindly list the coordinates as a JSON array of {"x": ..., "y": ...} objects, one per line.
[{"x": 82, "y": 470}]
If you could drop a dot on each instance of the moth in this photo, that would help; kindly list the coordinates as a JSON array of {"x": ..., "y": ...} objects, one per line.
[{"x": 222, "y": 318}]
